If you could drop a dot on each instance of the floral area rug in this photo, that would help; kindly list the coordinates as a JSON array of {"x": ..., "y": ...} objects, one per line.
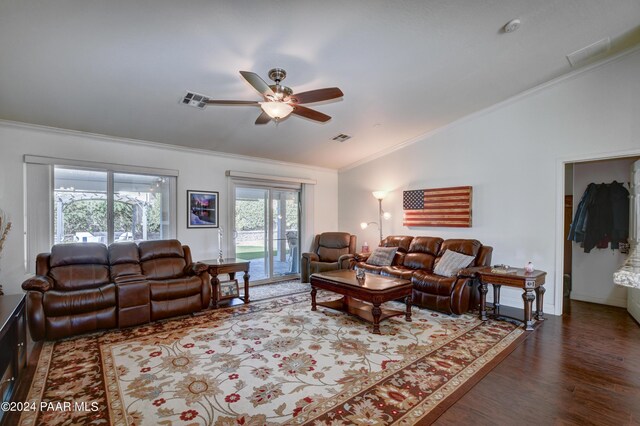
[
  {"x": 267, "y": 363},
  {"x": 267, "y": 291}
]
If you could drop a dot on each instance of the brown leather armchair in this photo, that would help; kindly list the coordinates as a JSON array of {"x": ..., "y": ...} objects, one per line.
[
  {"x": 329, "y": 251},
  {"x": 72, "y": 292},
  {"x": 177, "y": 286}
]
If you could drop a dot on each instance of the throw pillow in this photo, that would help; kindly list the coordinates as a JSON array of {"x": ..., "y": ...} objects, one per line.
[
  {"x": 382, "y": 256},
  {"x": 451, "y": 262}
]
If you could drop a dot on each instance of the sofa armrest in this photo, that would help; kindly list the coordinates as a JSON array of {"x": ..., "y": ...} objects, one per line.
[
  {"x": 38, "y": 283},
  {"x": 346, "y": 261},
  {"x": 311, "y": 257},
  {"x": 470, "y": 272},
  {"x": 361, "y": 257},
  {"x": 196, "y": 268}
]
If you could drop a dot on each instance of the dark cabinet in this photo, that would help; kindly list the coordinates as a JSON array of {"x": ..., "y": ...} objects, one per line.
[{"x": 13, "y": 345}]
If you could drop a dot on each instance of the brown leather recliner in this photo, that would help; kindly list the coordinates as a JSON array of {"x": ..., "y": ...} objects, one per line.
[
  {"x": 84, "y": 287},
  {"x": 329, "y": 251},
  {"x": 453, "y": 295},
  {"x": 177, "y": 286},
  {"x": 72, "y": 292}
]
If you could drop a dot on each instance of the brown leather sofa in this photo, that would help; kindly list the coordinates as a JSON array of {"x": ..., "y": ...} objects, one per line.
[
  {"x": 329, "y": 251},
  {"x": 415, "y": 260},
  {"x": 85, "y": 287}
]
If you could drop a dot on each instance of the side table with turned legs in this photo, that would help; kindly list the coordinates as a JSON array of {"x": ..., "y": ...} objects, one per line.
[
  {"x": 532, "y": 284},
  {"x": 227, "y": 266}
]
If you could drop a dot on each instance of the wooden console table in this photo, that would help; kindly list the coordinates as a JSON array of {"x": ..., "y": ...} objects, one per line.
[
  {"x": 228, "y": 266},
  {"x": 529, "y": 282}
]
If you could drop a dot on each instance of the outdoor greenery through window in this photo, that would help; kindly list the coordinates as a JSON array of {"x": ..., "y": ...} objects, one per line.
[{"x": 103, "y": 206}]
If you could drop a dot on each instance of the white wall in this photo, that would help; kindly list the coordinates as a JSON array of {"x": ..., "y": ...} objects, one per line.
[
  {"x": 198, "y": 170},
  {"x": 513, "y": 156},
  {"x": 592, "y": 272}
]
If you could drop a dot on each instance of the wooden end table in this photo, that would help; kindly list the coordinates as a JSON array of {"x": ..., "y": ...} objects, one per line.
[
  {"x": 228, "y": 266},
  {"x": 529, "y": 282},
  {"x": 374, "y": 289}
]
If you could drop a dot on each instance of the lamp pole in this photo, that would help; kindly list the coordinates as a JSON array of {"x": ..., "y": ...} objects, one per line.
[{"x": 380, "y": 217}]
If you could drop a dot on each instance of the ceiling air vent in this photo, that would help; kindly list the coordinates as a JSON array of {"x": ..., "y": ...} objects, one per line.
[
  {"x": 341, "y": 137},
  {"x": 588, "y": 53},
  {"x": 195, "y": 100}
]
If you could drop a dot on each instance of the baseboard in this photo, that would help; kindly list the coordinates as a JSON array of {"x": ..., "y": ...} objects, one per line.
[{"x": 619, "y": 302}]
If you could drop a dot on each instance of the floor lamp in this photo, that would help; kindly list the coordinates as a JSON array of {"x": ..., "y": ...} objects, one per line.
[{"x": 378, "y": 195}]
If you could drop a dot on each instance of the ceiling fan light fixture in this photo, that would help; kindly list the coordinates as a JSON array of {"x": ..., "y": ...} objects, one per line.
[{"x": 276, "y": 110}]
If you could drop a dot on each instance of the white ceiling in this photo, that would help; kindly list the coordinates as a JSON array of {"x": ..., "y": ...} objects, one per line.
[{"x": 407, "y": 67}]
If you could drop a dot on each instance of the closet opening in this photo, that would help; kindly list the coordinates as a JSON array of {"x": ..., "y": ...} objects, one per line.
[{"x": 596, "y": 229}]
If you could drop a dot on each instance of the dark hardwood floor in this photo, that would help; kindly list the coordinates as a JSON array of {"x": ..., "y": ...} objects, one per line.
[{"x": 579, "y": 369}]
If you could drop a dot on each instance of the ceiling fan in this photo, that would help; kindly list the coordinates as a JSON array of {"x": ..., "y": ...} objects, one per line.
[{"x": 280, "y": 101}]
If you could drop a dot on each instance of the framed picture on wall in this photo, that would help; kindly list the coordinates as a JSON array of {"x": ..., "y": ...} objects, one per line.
[{"x": 202, "y": 209}]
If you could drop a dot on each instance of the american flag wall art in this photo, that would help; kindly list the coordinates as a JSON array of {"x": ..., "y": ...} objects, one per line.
[{"x": 445, "y": 207}]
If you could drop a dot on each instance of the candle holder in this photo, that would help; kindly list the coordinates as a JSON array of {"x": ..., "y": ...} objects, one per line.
[{"x": 220, "y": 256}]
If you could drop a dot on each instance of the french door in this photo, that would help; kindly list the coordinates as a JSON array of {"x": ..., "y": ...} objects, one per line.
[{"x": 266, "y": 230}]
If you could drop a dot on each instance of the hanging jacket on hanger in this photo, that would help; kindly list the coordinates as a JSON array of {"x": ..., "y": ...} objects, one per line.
[
  {"x": 619, "y": 196},
  {"x": 600, "y": 220},
  {"x": 578, "y": 226},
  {"x": 602, "y": 217}
]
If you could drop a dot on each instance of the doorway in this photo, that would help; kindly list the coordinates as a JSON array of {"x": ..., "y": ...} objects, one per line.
[
  {"x": 588, "y": 273},
  {"x": 266, "y": 224}
]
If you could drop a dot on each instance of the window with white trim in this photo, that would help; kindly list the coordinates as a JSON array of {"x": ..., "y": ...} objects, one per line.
[{"x": 79, "y": 201}]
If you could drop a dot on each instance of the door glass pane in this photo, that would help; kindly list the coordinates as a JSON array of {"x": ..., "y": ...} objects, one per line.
[
  {"x": 251, "y": 230},
  {"x": 80, "y": 206},
  {"x": 285, "y": 233},
  {"x": 141, "y": 205}
]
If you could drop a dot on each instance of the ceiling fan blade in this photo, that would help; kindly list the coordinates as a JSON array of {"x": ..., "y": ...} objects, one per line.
[
  {"x": 316, "y": 95},
  {"x": 310, "y": 113},
  {"x": 263, "y": 118},
  {"x": 259, "y": 84},
  {"x": 221, "y": 102}
]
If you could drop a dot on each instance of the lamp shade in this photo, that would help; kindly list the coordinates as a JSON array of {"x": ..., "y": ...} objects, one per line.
[
  {"x": 276, "y": 110},
  {"x": 379, "y": 195}
]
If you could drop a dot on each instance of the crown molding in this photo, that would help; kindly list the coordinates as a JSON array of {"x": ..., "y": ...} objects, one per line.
[
  {"x": 516, "y": 98},
  {"x": 158, "y": 145}
]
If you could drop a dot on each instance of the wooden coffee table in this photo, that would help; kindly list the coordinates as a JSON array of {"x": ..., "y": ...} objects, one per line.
[{"x": 374, "y": 289}]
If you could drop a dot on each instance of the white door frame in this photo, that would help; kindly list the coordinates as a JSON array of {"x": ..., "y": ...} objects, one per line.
[{"x": 560, "y": 173}]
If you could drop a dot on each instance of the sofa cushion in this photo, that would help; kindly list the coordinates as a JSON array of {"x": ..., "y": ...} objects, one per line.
[
  {"x": 160, "y": 248},
  {"x": 165, "y": 268},
  {"x": 79, "y": 277},
  {"x": 368, "y": 268},
  {"x": 468, "y": 247},
  {"x": 397, "y": 272},
  {"x": 433, "y": 284},
  {"x": 451, "y": 262},
  {"x": 331, "y": 254},
  {"x": 402, "y": 242},
  {"x": 124, "y": 260},
  {"x": 62, "y": 303},
  {"x": 429, "y": 245},
  {"x": 316, "y": 267},
  {"x": 175, "y": 288},
  {"x": 382, "y": 256},
  {"x": 78, "y": 254}
]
